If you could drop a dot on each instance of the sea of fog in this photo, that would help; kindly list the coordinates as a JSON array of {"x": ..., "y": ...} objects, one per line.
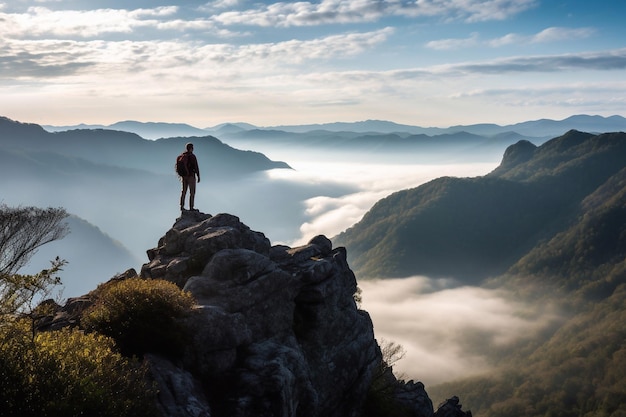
[
  {"x": 348, "y": 191},
  {"x": 447, "y": 330},
  {"x": 444, "y": 328}
]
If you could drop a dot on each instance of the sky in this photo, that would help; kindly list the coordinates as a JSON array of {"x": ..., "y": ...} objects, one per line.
[{"x": 422, "y": 62}]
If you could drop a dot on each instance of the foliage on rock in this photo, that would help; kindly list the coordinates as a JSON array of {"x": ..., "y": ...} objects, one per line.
[
  {"x": 68, "y": 373},
  {"x": 140, "y": 315}
]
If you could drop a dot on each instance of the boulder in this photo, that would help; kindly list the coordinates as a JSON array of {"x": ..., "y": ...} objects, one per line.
[{"x": 276, "y": 330}]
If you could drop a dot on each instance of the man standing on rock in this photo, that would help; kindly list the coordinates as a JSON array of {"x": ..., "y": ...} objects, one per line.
[{"x": 187, "y": 169}]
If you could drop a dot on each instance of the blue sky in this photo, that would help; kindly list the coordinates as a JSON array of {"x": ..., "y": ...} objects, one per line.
[{"x": 422, "y": 62}]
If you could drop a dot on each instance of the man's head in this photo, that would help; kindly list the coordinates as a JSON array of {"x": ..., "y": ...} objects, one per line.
[{"x": 189, "y": 147}]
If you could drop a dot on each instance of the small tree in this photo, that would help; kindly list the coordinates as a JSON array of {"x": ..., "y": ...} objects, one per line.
[
  {"x": 22, "y": 231},
  {"x": 380, "y": 399}
]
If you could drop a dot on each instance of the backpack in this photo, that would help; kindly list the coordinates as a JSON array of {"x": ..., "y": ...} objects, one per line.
[{"x": 182, "y": 164}]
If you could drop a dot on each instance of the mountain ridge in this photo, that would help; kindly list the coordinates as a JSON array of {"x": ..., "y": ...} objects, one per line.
[
  {"x": 540, "y": 128},
  {"x": 463, "y": 227},
  {"x": 121, "y": 182}
]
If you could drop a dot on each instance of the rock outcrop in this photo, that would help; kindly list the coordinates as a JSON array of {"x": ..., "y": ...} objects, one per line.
[{"x": 277, "y": 331}]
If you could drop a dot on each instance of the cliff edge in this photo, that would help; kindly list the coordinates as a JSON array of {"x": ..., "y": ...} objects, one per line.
[
  {"x": 278, "y": 331},
  {"x": 275, "y": 331}
]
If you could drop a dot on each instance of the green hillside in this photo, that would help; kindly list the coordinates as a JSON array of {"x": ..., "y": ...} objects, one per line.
[
  {"x": 549, "y": 224},
  {"x": 476, "y": 228},
  {"x": 578, "y": 371}
]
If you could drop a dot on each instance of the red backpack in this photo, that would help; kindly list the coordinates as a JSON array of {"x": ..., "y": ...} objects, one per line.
[{"x": 182, "y": 164}]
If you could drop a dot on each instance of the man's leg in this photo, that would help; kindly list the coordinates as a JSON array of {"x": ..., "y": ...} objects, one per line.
[
  {"x": 192, "y": 191},
  {"x": 183, "y": 192}
]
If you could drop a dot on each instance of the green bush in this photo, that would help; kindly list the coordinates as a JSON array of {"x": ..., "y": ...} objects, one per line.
[
  {"x": 68, "y": 373},
  {"x": 141, "y": 315}
]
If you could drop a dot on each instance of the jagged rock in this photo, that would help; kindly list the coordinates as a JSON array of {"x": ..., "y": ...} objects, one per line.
[
  {"x": 195, "y": 238},
  {"x": 452, "y": 408},
  {"x": 180, "y": 394},
  {"x": 412, "y": 395},
  {"x": 276, "y": 330}
]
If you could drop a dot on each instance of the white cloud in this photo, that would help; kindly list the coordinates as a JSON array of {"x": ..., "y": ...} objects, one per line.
[
  {"x": 219, "y": 5},
  {"x": 552, "y": 34},
  {"x": 331, "y": 215},
  {"x": 508, "y": 39},
  {"x": 155, "y": 61},
  {"x": 448, "y": 332},
  {"x": 41, "y": 21},
  {"x": 304, "y": 13},
  {"x": 447, "y": 44},
  {"x": 555, "y": 34}
]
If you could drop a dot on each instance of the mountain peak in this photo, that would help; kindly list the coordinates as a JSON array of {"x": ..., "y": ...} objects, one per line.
[{"x": 514, "y": 155}]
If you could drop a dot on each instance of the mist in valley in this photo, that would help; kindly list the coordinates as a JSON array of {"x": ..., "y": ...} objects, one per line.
[{"x": 446, "y": 330}]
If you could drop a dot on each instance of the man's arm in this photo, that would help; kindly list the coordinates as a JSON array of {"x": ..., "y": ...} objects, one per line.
[{"x": 197, "y": 167}]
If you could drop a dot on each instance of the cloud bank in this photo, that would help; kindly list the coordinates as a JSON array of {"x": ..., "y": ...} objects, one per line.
[
  {"x": 331, "y": 214},
  {"x": 448, "y": 331}
]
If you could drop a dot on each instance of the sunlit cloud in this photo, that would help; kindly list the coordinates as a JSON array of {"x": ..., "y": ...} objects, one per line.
[
  {"x": 41, "y": 21},
  {"x": 445, "y": 44},
  {"x": 552, "y": 34},
  {"x": 218, "y": 5},
  {"x": 158, "y": 59},
  {"x": 290, "y": 14},
  {"x": 448, "y": 331}
]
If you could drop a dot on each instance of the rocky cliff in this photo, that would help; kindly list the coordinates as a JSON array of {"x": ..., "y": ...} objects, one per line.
[{"x": 276, "y": 330}]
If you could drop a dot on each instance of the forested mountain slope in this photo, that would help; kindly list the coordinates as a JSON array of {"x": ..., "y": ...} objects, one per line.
[
  {"x": 548, "y": 225},
  {"x": 475, "y": 228}
]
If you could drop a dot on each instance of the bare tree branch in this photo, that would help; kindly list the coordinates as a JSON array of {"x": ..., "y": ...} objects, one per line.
[{"x": 23, "y": 230}]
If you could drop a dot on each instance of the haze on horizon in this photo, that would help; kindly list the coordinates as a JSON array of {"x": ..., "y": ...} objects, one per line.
[{"x": 427, "y": 63}]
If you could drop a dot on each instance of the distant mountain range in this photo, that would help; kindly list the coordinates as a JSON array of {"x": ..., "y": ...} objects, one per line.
[
  {"x": 543, "y": 128},
  {"x": 375, "y": 140},
  {"x": 438, "y": 229},
  {"x": 124, "y": 184},
  {"x": 116, "y": 148}
]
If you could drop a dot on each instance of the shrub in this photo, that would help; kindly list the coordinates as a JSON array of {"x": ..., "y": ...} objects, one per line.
[
  {"x": 381, "y": 400},
  {"x": 68, "y": 373},
  {"x": 141, "y": 315}
]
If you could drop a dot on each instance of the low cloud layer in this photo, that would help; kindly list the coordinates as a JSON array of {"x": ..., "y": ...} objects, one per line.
[
  {"x": 330, "y": 215},
  {"x": 447, "y": 330}
]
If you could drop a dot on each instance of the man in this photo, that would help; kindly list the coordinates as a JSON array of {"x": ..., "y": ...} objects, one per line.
[{"x": 189, "y": 180}]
